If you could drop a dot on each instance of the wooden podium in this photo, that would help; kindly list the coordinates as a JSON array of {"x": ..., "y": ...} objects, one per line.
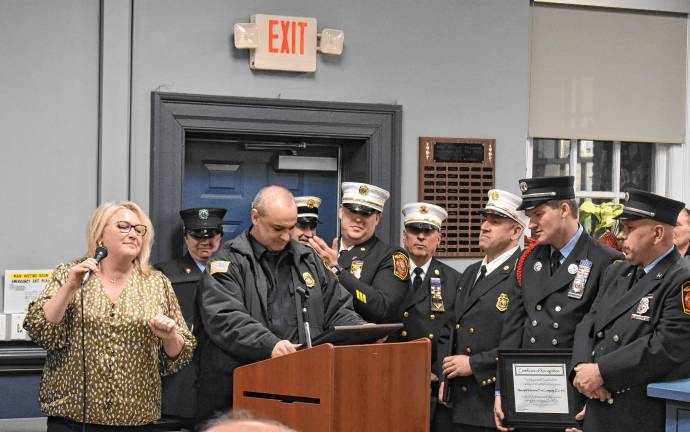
[{"x": 378, "y": 387}]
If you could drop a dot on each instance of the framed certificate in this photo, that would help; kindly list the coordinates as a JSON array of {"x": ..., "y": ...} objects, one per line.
[{"x": 535, "y": 390}]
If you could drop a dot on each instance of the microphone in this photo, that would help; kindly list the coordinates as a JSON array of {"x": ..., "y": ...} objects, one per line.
[{"x": 101, "y": 252}]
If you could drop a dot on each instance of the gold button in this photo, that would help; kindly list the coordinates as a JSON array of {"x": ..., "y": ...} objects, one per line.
[
  {"x": 406, "y": 314},
  {"x": 483, "y": 382},
  {"x": 464, "y": 388},
  {"x": 457, "y": 326},
  {"x": 493, "y": 379},
  {"x": 496, "y": 358},
  {"x": 431, "y": 335},
  {"x": 404, "y": 333},
  {"x": 471, "y": 330},
  {"x": 468, "y": 350},
  {"x": 432, "y": 317}
]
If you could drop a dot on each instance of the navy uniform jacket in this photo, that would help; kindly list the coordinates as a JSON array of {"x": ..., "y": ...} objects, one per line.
[
  {"x": 178, "y": 390},
  {"x": 544, "y": 315},
  {"x": 416, "y": 313},
  {"x": 376, "y": 275},
  {"x": 233, "y": 305},
  {"x": 637, "y": 335},
  {"x": 479, "y": 315}
]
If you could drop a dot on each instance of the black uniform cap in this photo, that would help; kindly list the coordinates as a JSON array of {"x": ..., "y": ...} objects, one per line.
[
  {"x": 646, "y": 205},
  {"x": 540, "y": 190},
  {"x": 308, "y": 209},
  {"x": 200, "y": 221}
]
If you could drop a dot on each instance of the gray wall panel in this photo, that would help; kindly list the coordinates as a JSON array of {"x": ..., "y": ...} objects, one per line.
[{"x": 49, "y": 106}]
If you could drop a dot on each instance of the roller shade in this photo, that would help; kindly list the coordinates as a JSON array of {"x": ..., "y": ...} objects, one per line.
[{"x": 605, "y": 74}]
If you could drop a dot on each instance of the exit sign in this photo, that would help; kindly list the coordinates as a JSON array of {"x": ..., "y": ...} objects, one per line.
[{"x": 284, "y": 43}]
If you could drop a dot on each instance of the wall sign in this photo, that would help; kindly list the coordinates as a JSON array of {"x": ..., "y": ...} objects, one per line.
[
  {"x": 457, "y": 174},
  {"x": 286, "y": 43}
]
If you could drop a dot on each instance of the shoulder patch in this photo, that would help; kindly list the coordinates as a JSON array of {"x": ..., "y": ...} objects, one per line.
[
  {"x": 521, "y": 263},
  {"x": 219, "y": 266},
  {"x": 685, "y": 297},
  {"x": 401, "y": 265}
]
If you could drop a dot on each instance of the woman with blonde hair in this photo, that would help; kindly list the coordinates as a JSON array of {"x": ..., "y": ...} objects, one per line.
[{"x": 128, "y": 319}]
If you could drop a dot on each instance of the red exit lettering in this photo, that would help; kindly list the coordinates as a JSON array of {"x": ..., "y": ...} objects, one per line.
[{"x": 287, "y": 33}]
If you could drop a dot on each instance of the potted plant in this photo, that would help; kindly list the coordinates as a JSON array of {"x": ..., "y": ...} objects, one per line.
[{"x": 598, "y": 220}]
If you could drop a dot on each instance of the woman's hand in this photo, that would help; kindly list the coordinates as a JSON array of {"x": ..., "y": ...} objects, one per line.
[
  {"x": 76, "y": 273},
  {"x": 165, "y": 329}
]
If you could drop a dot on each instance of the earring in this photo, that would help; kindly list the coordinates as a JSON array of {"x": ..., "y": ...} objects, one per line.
[{"x": 100, "y": 243}]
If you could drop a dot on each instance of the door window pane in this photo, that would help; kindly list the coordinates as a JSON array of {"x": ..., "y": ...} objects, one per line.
[
  {"x": 594, "y": 166},
  {"x": 636, "y": 166},
  {"x": 550, "y": 157}
]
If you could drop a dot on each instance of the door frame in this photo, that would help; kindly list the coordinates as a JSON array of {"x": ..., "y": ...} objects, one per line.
[{"x": 371, "y": 134}]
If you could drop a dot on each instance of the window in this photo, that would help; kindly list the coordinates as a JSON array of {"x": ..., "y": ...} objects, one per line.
[{"x": 603, "y": 170}]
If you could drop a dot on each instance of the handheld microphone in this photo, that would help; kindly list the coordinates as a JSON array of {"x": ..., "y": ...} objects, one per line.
[{"x": 101, "y": 252}]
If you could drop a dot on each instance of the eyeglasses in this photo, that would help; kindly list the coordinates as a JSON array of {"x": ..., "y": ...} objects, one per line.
[{"x": 125, "y": 227}]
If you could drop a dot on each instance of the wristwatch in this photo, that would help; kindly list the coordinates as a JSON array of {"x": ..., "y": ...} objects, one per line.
[{"x": 336, "y": 269}]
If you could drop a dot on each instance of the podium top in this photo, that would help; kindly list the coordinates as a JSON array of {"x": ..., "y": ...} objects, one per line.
[{"x": 356, "y": 334}]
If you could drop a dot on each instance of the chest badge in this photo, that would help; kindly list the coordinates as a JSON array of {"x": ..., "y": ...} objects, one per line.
[
  {"x": 572, "y": 268},
  {"x": 436, "y": 295},
  {"x": 308, "y": 279},
  {"x": 356, "y": 268},
  {"x": 537, "y": 266},
  {"x": 643, "y": 308},
  {"x": 502, "y": 302},
  {"x": 577, "y": 288}
]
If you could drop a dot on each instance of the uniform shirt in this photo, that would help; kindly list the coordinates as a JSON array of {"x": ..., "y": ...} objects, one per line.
[
  {"x": 281, "y": 299},
  {"x": 124, "y": 359},
  {"x": 648, "y": 268},
  {"x": 496, "y": 262},
  {"x": 425, "y": 270},
  {"x": 202, "y": 266},
  {"x": 565, "y": 250}
]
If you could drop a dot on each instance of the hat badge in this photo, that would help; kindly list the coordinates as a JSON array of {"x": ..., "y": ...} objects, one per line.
[
  {"x": 363, "y": 190},
  {"x": 494, "y": 195},
  {"x": 423, "y": 209},
  {"x": 203, "y": 214},
  {"x": 311, "y": 203},
  {"x": 523, "y": 186}
]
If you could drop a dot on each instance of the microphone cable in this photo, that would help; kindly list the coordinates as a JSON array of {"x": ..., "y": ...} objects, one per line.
[{"x": 101, "y": 252}]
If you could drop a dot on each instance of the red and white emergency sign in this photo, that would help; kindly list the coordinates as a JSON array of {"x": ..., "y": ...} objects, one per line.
[{"x": 284, "y": 43}]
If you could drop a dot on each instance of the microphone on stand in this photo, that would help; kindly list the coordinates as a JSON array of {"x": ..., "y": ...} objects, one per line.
[{"x": 304, "y": 294}]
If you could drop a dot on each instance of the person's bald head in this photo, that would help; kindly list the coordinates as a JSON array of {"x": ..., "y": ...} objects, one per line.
[
  {"x": 243, "y": 421},
  {"x": 274, "y": 214},
  {"x": 249, "y": 426}
]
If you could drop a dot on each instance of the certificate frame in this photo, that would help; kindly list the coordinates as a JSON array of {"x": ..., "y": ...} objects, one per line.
[{"x": 531, "y": 357}]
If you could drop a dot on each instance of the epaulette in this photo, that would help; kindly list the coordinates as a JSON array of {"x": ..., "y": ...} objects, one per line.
[{"x": 521, "y": 262}]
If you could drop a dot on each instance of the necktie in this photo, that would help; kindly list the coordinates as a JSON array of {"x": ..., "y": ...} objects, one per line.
[
  {"x": 482, "y": 273},
  {"x": 639, "y": 274},
  {"x": 417, "y": 282},
  {"x": 555, "y": 261}
]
